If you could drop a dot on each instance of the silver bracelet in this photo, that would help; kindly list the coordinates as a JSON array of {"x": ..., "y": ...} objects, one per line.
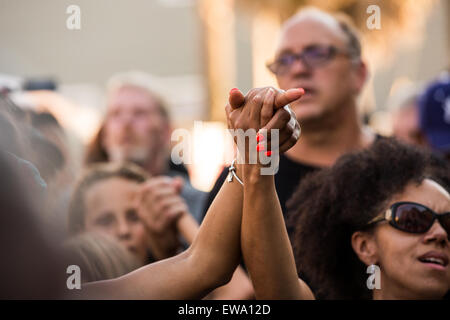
[{"x": 232, "y": 173}]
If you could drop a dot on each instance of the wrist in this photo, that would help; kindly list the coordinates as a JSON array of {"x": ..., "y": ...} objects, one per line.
[{"x": 252, "y": 174}]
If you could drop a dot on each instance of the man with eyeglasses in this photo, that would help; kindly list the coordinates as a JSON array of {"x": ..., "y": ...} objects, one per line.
[{"x": 321, "y": 54}]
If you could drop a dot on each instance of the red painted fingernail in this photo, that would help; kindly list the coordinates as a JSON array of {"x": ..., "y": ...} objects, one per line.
[
  {"x": 259, "y": 137},
  {"x": 260, "y": 147},
  {"x": 234, "y": 89},
  {"x": 268, "y": 153}
]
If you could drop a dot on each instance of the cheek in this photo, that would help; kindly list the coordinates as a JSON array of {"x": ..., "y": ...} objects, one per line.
[
  {"x": 145, "y": 128},
  {"x": 139, "y": 234},
  {"x": 396, "y": 254},
  {"x": 110, "y": 132},
  {"x": 334, "y": 81},
  {"x": 108, "y": 230},
  {"x": 284, "y": 82},
  {"x": 391, "y": 257},
  {"x": 112, "y": 126}
]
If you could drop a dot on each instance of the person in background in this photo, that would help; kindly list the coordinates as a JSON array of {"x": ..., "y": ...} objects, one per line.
[
  {"x": 320, "y": 53},
  {"x": 99, "y": 257},
  {"x": 434, "y": 115},
  {"x": 60, "y": 183},
  {"x": 112, "y": 198},
  {"x": 405, "y": 117},
  {"x": 137, "y": 129},
  {"x": 31, "y": 266},
  {"x": 43, "y": 144},
  {"x": 15, "y": 141}
]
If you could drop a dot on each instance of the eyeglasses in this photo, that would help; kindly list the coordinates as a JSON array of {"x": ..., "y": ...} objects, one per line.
[
  {"x": 413, "y": 217},
  {"x": 312, "y": 57}
]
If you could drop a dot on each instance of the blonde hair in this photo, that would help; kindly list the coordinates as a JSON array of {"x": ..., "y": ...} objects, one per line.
[{"x": 99, "y": 257}]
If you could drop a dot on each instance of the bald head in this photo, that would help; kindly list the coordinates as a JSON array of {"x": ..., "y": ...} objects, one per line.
[
  {"x": 340, "y": 26},
  {"x": 312, "y": 15}
]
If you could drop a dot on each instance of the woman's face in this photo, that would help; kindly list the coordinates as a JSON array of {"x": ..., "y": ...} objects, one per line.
[
  {"x": 404, "y": 273},
  {"x": 111, "y": 209}
]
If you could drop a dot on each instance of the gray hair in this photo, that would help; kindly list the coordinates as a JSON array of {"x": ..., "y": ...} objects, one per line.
[{"x": 341, "y": 20}]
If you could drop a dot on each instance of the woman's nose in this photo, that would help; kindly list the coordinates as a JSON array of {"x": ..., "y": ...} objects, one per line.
[
  {"x": 437, "y": 233},
  {"x": 123, "y": 230}
]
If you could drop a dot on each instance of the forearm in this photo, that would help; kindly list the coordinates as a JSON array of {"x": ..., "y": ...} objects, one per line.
[
  {"x": 265, "y": 244},
  {"x": 216, "y": 248},
  {"x": 239, "y": 288},
  {"x": 188, "y": 227},
  {"x": 173, "y": 278},
  {"x": 209, "y": 262}
]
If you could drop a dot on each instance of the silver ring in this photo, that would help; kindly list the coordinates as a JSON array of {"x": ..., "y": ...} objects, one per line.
[
  {"x": 296, "y": 133},
  {"x": 293, "y": 123}
]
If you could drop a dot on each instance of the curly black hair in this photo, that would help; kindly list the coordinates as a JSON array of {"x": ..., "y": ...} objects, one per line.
[{"x": 331, "y": 204}]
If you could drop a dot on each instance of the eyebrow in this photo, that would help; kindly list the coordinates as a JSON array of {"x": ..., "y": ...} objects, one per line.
[{"x": 284, "y": 51}]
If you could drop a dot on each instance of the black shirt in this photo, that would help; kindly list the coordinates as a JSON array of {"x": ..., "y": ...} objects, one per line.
[{"x": 288, "y": 177}]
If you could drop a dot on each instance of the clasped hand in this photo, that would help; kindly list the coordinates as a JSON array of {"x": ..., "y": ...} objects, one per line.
[{"x": 262, "y": 112}]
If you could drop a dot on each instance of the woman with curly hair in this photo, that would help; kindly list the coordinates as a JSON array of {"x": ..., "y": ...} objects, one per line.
[{"x": 388, "y": 205}]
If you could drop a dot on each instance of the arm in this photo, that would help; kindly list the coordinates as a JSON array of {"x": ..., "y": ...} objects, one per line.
[
  {"x": 265, "y": 244},
  {"x": 188, "y": 227},
  {"x": 239, "y": 287},
  {"x": 207, "y": 264}
]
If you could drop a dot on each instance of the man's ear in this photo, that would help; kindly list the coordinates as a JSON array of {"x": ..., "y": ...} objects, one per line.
[
  {"x": 361, "y": 74},
  {"x": 365, "y": 247}
]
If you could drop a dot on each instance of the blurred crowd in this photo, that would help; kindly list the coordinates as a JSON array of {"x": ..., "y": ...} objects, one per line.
[{"x": 344, "y": 197}]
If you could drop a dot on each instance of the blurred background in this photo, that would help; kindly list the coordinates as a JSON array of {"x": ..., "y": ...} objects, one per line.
[{"x": 198, "y": 50}]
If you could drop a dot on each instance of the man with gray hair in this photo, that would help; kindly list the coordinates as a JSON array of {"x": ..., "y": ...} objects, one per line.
[{"x": 320, "y": 53}]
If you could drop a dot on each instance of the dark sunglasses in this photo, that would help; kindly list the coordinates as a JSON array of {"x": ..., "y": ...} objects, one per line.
[
  {"x": 312, "y": 57},
  {"x": 413, "y": 217}
]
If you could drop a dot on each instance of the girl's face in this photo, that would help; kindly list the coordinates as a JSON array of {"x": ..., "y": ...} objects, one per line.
[
  {"x": 111, "y": 209},
  {"x": 405, "y": 274}
]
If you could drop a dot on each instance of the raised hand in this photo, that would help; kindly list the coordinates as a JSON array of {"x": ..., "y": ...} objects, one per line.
[
  {"x": 160, "y": 206},
  {"x": 262, "y": 108},
  {"x": 271, "y": 112}
]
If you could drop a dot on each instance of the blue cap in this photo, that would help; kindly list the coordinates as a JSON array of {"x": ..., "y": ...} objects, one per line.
[{"x": 434, "y": 113}]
